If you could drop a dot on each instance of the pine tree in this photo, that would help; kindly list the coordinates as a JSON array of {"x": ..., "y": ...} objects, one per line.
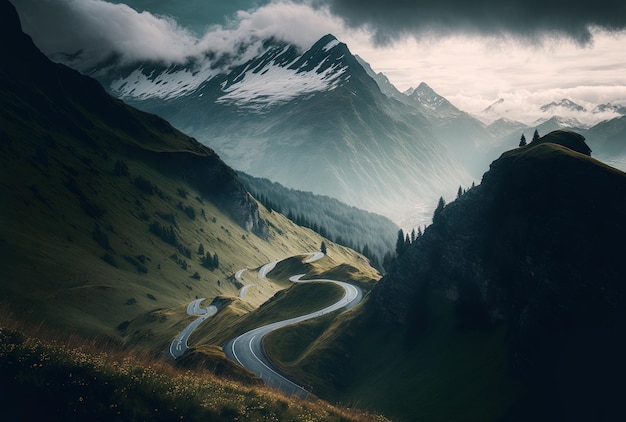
[
  {"x": 535, "y": 135},
  {"x": 366, "y": 251},
  {"x": 201, "y": 249},
  {"x": 387, "y": 259},
  {"x": 522, "y": 141},
  {"x": 400, "y": 243},
  {"x": 439, "y": 209},
  {"x": 413, "y": 235},
  {"x": 419, "y": 232},
  {"x": 323, "y": 247},
  {"x": 459, "y": 193},
  {"x": 216, "y": 261}
]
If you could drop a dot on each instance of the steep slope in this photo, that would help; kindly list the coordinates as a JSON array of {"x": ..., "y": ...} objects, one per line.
[
  {"x": 311, "y": 120},
  {"x": 372, "y": 234},
  {"x": 504, "y": 127},
  {"x": 608, "y": 141},
  {"x": 511, "y": 306},
  {"x": 466, "y": 139},
  {"x": 110, "y": 213},
  {"x": 109, "y": 217}
]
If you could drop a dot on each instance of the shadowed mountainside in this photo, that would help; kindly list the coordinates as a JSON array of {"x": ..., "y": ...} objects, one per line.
[{"x": 511, "y": 306}]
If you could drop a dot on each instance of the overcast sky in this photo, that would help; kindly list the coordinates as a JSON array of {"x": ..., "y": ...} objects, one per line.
[{"x": 473, "y": 52}]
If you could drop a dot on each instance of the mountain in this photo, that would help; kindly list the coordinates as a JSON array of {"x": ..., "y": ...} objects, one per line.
[
  {"x": 427, "y": 97},
  {"x": 311, "y": 120},
  {"x": 372, "y": 234},
  {"x": 107, "y": 207},
  {"x": 95, "y": 185},
  {"x": 383, "y": 82},
  {"x": 565, "y": 108},
  {"x": 608, "y": 141},
  {"x": 109, "y": 216},
  {"x": 494, "y": 111},
  {"x": 610, "y": 108},
  {"x": 558, "y": 122},
  {"x": 504, "y": 127},
  {"x": 541, "y": 126},
  {"x": 604, "y": 138},
  {"x": 465, "y": 138},
  {"x": 510, "y": 306},
  {"x": 562, "y": 104}
]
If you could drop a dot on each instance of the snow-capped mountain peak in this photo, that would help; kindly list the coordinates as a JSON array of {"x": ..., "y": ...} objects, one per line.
[
  {"x": 563, "y": 104},
  {"x": 279, "y": 74},
  {"x": 610, "y": 108},
  {"x": 426, "y": 96},
  {"x": 161, "y": 82},
  {"x": 282, "y": 75}
]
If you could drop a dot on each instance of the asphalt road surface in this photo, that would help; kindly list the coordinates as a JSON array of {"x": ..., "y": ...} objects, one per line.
[
  {"x": 179, "y": 344},
  {"x": 247, "y": 349}
]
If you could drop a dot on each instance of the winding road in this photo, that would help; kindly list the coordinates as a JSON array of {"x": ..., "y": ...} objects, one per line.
[
  {"x": 179, "y": 344},
  {"x": 247, "y": 349}
]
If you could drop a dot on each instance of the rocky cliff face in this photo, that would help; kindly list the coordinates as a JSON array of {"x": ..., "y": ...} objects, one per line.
[{"x": 537, "y": 248}]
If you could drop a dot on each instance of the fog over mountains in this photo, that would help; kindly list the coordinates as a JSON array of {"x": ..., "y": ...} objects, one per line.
[
  {"x": 322, "y": 120},
  {"x": 312, "y": 120}
]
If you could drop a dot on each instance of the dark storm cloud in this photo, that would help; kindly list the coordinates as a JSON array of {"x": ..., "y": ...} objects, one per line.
[
  {"x": 100, "y": 29},
  {"x": 87, "y": 33},
  {"x": 531, "y": 19}
]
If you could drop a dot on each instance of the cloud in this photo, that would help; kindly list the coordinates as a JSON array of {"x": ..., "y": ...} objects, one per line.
[
  {"x": 101, "y": 30},
  {"x": 524, "y": 105},
  {"x": 529, "y": 19}
]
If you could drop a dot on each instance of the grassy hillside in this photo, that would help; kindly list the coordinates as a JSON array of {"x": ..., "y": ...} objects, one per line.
[
  {"x": 74, "y": 379},
  {"x": 112, "y": 222},
  {"x": 366, "y": 232},
  {"x": 109, "y": 211}
]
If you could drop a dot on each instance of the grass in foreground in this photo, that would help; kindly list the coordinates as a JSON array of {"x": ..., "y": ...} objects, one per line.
[{"x": 64, "y": 377}]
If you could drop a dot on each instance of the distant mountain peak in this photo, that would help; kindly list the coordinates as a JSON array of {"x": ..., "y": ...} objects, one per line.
[
  {"x": 423, "y": 87},
  {"x": 610, "y": 108},
  {"x": 491, "y": 108},
  {"x": 427, "y": 97},
  {"x": 563, "y": 104}
]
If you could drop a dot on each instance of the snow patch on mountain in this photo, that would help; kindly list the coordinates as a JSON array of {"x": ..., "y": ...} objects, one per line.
[
  {"x": 564, "y": 104},
  {"x": 174, "y": 82},
  {"x": 330, "y": 45},
  {"x": 273, "y": 84}
]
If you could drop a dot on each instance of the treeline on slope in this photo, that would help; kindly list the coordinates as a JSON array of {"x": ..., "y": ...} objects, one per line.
[{"x": 370, "y": 234}]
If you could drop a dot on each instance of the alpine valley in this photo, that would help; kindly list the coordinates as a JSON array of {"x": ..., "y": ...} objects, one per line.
[
  {"x": 220, "y": 240},
  {"x": 323, "y": 120},
  {"x": 312, "y": 120}
]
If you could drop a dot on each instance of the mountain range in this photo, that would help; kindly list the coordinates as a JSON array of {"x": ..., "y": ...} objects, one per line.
[
  {"x": 109, "y": 218},
  {"x": 510, "y": 306},
  {"x": 314, "y": 120},
  {"x": 323, "y": 120}
]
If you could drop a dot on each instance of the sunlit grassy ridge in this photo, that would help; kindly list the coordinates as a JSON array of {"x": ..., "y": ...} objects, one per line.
[
  {"x": 74, "y": 379},
  {"x": 297, "y": 299}
]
